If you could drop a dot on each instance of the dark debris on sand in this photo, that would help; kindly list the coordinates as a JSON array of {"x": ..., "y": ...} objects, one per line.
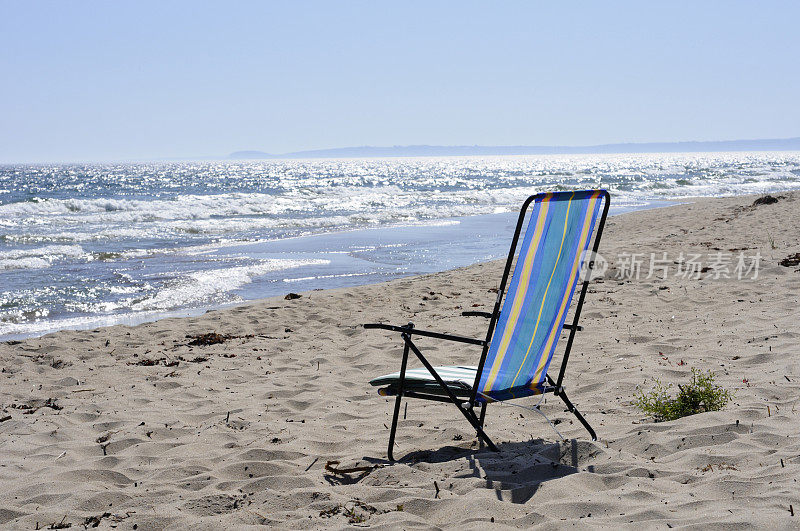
[
  {"x": 34, "y": 405},
  {"x": 791, "y": 260},
  {"x": 147, "y": 362},
  {"x": 94, "y": 521},
  {"x": 766, "y": 200},
  {"x": 196, "y": 359},
  {"x": 58, "y": 525},
  {"x": 211, "y": 338}
]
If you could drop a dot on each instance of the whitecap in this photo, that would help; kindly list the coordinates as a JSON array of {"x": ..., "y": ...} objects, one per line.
[
  {"x": 24, "y": 263},
  {"x": 48, "y": 252}
]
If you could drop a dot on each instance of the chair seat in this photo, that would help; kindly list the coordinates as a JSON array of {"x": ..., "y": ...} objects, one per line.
[{"x": 459, "y": 380}]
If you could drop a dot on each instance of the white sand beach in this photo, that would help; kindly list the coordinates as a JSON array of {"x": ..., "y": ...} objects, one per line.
[{"x": 135, "y": 428}]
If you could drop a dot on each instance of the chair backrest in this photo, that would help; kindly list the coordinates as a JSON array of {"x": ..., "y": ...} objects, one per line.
[{"x": 541, "y": 289}]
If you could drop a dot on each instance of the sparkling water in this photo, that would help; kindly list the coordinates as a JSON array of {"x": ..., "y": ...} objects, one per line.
[{"x": 94, "y": 244}]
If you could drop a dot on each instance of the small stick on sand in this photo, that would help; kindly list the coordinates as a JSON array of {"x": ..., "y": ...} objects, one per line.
[
  {"x": 331, "y": 467},
  {"x": 363, "y": 471}
]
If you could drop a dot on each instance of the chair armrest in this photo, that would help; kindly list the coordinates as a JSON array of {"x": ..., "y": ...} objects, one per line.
[
  {"x": 570, "y": 327},
  {"x": 425, "y": 333},
  {"x": 477, "y": 314}
]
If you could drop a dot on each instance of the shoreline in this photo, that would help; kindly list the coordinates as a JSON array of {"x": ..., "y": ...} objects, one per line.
[{"x": 141, "y": 425}]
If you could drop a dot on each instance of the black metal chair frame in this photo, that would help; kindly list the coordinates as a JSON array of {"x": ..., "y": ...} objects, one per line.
[{"x": 467, "y": 407}]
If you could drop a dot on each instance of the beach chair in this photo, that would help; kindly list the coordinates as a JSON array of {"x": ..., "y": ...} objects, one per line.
[{"x": 522, "y": 336}]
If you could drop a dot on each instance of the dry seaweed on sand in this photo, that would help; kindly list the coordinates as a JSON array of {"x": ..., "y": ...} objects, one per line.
[
  {"x": 766, "y": 200},
  {"x": 152, "y": 362},
  {"x": 196, "y": 359},
  {"x": 36, "y": 405},
  {"x": 352, "y": 515},
  {"x": 211, "y": 338},
  {"x": 791, "y": 260}
]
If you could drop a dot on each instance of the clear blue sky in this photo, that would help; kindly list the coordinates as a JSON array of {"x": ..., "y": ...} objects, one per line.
[{"x": 132, "y": 80}]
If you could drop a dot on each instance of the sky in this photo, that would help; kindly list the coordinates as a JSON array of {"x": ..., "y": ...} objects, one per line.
[{"x": 97, "y": 81}]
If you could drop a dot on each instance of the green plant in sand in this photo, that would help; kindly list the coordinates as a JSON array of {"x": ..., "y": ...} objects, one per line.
[
  {"x": 771, "y": 241},
  {"x": 700, "y": 395}
]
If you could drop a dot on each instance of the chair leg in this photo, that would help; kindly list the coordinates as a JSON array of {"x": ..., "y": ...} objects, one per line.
[
  {"x": 473, "y": 419},
  {"x": 400, "y": 392},
  {"x": 394, "y": 426},
  {"x": 468, "y": 413},
  {"x": 572, "y": 409},
  {"x": 480, "y": 421}
]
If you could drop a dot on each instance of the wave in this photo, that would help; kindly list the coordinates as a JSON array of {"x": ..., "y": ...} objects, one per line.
[
  {"x": 191, "y": 206},
  {"x": 197, "y": 289},
  {"x": 54, "y": 251},
  {"x": 289, "y": 198},
  {"x": 344, "y": 202},
  {"x": 39, "y": 257},
  {"x": 248, "y": 228},
  {"x": 201, "y": 286},
  {"x": 24, "y": 263}
]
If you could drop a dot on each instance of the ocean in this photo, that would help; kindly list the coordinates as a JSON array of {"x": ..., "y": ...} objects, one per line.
[{"x": 87, "y": 245}]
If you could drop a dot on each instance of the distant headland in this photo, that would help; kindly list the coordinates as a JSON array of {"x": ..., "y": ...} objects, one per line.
[{"x": 773, "y": 144}]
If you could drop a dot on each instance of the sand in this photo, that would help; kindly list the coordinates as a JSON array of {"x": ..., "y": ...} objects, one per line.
[{"x": 133, "y": 427}]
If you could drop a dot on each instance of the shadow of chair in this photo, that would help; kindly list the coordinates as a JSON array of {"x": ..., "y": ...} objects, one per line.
[{"x": 516, "y": 472}]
